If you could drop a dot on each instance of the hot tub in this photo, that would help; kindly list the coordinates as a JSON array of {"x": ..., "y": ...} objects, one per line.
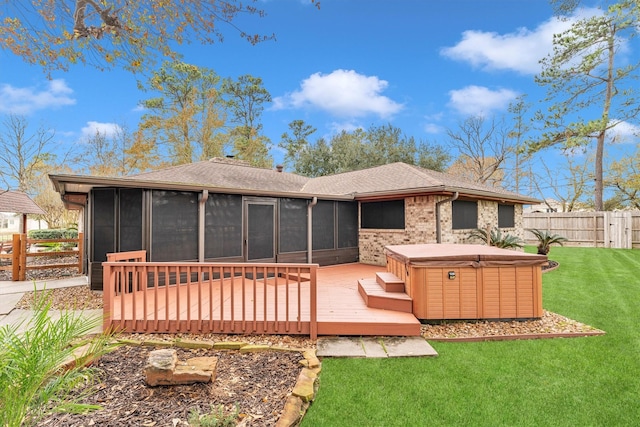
[{"x": 449, "y": 281}]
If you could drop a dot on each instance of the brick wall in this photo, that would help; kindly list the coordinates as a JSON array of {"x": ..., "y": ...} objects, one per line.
[{"x": 420, "y": 227}]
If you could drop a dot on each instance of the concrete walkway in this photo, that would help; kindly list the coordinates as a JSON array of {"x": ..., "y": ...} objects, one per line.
[
  {"x": 12, "y": 292},
  {"x": 379, "y": 347}
]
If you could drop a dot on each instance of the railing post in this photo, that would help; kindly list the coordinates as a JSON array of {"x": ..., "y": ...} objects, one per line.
[{"x": 107, "y": 296}]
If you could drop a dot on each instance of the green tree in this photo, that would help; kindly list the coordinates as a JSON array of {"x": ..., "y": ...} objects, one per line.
[
  {"x": 106, "y": 33},
  {"x": 188, "y": 115},
  {"x": 245, "y": 99},
  {"x": 295, "y": 143},
  {"x": 519, "y": 173},
  {"x": 585, "y": 77},
  {"x": 360, "y": 149}
]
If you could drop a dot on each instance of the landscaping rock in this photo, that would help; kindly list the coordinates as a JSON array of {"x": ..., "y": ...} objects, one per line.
[
  {"x": 160, "y": 367},
  {"x": 163, "y": 368}
]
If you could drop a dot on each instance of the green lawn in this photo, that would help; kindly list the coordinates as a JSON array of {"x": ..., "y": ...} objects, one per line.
[{"x": 593, "y": 381}]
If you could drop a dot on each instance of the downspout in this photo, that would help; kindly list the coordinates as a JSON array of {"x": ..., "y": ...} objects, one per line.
[
  {"x": 438, "y": 225},
  {"x": 310, "y": 206},
  {"x": 201, "y": 217}
]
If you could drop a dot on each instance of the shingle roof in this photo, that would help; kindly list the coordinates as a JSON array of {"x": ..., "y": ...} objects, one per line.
[
  {"x": 394, "y": 179},
  {"x": 224, "y": 174},
  {"x": 18, "y": 202},
  {"x": 397, "y": 177}
]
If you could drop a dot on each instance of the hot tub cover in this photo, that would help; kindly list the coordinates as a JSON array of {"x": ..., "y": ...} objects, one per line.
[{"x": 454, "y": 255}]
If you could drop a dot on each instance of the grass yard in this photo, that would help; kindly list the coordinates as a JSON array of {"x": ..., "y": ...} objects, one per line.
[{"x": 593, "y": 381}]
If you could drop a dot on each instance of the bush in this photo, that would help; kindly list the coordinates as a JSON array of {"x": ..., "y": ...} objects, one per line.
[
  {"x": 53, "y": 233},
  {"x": 496, "y": 238}
]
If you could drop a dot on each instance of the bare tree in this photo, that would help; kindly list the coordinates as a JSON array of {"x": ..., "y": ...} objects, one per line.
[
  {"x": 569, "y": 185},
  {"x": 484, "y": 147},
  {"x": 21, "y": 151}
]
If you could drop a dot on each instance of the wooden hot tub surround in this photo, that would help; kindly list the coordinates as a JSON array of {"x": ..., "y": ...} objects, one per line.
[{"x": 447, "y": 281}]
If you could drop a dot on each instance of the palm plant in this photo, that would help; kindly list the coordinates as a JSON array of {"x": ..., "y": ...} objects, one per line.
[
  {"x": 546, "y": 239},
  {"x": 34, "y": 375},
  {"x": 494, "y": 237}
]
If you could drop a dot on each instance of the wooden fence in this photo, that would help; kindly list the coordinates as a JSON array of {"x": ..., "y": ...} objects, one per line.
[
  {"x": 18, "y": 252},
  {"x": 595, "y": 229},
  {"x": 240, "y": 298}
]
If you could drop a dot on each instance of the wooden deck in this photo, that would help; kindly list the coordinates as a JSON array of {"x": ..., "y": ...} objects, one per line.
[
  {"x": 258, "y": 303},
  {"x": 342, "y": 311}
]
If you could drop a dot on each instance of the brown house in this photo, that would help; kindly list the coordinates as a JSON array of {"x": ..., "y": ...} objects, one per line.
[{"x": 222, "y": 210}]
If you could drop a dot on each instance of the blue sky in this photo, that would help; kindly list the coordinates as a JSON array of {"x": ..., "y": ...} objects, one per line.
[{"x": 421, "y": 65}]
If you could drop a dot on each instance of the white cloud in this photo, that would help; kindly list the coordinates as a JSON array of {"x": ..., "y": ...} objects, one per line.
[
  {"x": 624, "y": 132},
  {"x": 433, "y": 128},
  {"x": 518, "y": 51},
  {"x": 105, "y": 129},
  {"x": 16, "y": 100},
  {"x": 343, "y": 93},
  {"x": 479, "y": 100}
]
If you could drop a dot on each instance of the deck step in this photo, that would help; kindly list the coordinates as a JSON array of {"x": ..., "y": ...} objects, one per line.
[
  {"x": 390, "y": 282},
  {"x": 376, "y": 297}
]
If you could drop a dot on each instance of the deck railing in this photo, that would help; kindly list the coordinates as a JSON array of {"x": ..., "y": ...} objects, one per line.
[{"x": 242, "y": 298}]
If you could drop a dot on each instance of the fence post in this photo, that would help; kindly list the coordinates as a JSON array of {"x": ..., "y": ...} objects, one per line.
[
  {"x": 15, "y": 260},
  {"x": 80, "y": 251}
]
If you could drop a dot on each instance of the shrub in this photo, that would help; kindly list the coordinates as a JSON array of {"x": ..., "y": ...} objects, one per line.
[
  {"x": 54, "y": 233},
  {"x": 216, "y": 418},
  {"x": 494, "y": 237}
]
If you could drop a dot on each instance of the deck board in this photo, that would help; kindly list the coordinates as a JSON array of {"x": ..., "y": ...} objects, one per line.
[{"x": 340, "y": 308}]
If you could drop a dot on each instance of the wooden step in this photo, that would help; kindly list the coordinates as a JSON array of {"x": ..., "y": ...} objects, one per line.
[
  {"x": 390, "y": 282},
  {"x": 376, "y": 297}
]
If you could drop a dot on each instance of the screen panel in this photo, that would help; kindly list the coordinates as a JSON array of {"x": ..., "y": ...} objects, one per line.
[
  {"x": 174, "y": 226},
  {"x": 260, "y": 231},
  {"x": 223, "y": 226},
  {"x": 323, "y": 220},
  {"x": 130, "y": 219},
  {"x": 104, "y": 223},
  {"x": 347, "y": 224},
  {"x": 293, "y": 225}
]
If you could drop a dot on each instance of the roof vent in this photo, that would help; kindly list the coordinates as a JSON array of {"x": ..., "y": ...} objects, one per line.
[{"x": 279, "y": 168}]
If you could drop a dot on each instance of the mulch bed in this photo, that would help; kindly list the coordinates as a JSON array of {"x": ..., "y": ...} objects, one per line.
[{"x": 254, "y": 384}]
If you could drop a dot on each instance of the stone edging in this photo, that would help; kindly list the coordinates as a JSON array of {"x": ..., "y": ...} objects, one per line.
[
  {"x": 303, "y": 392},
  {"x": 518, "y": 337}
]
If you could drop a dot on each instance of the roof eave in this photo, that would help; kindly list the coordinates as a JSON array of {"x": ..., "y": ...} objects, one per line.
[
  {"x": 60, "y": 181},
  {"x": 446, "y": 190}
]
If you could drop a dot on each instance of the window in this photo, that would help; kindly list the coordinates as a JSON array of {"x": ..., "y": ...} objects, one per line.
[
  {"x": 464, "y": 214},
  {"x": 506, "y": 216},
  {"x": 388, "y": 215}
]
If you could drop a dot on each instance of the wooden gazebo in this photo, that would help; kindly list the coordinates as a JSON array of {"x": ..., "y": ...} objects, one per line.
[{"x": 19, "y": 203}]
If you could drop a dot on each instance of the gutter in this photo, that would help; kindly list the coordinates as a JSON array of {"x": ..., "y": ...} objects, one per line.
[
  {"x": 310, "y": 206},
  {"x": 438, "y": 225},
  {"x": 201, "y": 223}
]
